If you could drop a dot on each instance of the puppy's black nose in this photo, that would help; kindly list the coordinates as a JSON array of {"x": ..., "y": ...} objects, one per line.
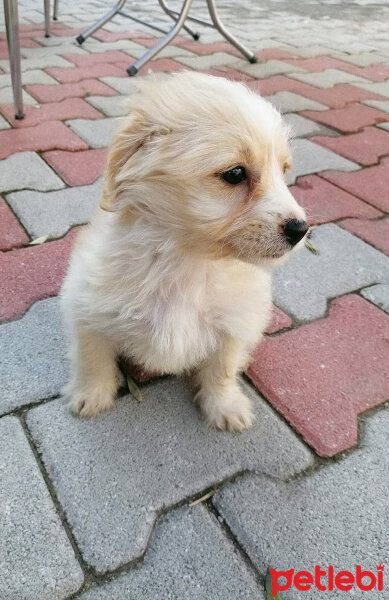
[{"x": 295, "y": 230}]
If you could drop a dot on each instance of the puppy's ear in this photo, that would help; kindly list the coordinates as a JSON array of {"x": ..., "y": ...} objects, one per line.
[{"x": 134, "y": 135}]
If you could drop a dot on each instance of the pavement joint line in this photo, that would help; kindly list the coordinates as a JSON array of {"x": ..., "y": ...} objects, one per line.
[
  {"x": 3, "y": 195},
  {"x": 344, "y": 189}
]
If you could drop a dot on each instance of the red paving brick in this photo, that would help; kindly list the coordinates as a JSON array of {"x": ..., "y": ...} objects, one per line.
[
  {"x": 375, "y": 233},
  {"x": 71, "y": 108},
  {"x": 46, "y": 136},
  {"x": 32, "y": 274},
  {"x": 324, "y": 202},
  {"x": 12, "y": 233},
  {"x": 229, "y": 74},
  {"x": 88, "y": 60},
  {"x": 160, "y": 65},
  {"x": 69, "y": 75},
  {"x": 56, "y": 93},
  {"x": 78, "y": 168},
  {"x": 276, "y": 83},
  {"x": 279, "y": 320},
  {"x": 364, "y": 147},
  {"x": 336, "y": 97},
  {"x": 197, "y": 47},
  {"x": 377, "y": 72},
  {"x": 349, "y": 119},
  {"x": 110, "y": 36},
  {"x": 370, "y": 184},
  {"x": 320, "y": 376}
]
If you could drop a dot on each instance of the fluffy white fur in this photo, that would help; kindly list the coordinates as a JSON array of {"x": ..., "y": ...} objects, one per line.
[{"x": 173, "y": 271}]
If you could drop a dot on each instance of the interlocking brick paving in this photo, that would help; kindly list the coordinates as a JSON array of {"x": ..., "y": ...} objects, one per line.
[
  {"x": 375, "y": 233},
  {"x": 322, "y": 375},
  {"x": 78, "y": 168},
  {"x": 365, "y": 147},
  {"x": 71, "y": 108},
  {"x": 12, "y": 234},
  {"x": 56, "y": 93},
  {"x": 45, "y": 136},
  {"x": 349, "y": 119}
]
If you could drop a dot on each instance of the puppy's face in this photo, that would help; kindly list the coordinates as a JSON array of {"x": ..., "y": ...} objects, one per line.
[{"x": 205, "y": 158}]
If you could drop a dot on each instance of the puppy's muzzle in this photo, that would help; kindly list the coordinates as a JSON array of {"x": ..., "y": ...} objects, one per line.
[{"x": 294, "y": 230}]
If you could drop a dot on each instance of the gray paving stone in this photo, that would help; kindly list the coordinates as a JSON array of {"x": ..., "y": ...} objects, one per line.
[
  {"x": 381, "y": 88},
  {"x": 4, "y": 124},
  {"x": 6, "y": 97},
  {"x": 263, "y": 70},
  {"x": 287, "y": 102},
  {"x": 123, "y": 85},
  {"x": 38, "y": 63},
  {"x": 334, "y": 517},
  {"x": 128, "y": 46},
  {"x": 114, "y": 473},
  {"x": 66, "y": 48},
  {"x": 302, "y": 127},
  {"x": 112, "y": 106},
  {"x": 33, "y": 365},
  {"x": 383, "y": 126},
  {"x": 380, "y": 104},
  {"x": 36, "y": 558},
  {"x": 54, "y": 213},
  {"x": 209, "y": 61},
  {"x": 27, "y": 170},
  {"x": 379, "y": 295},
  {"x": 97, "y": 134},
  {"x": 189, "y": 558},
  {"x": 34, "y": 76},
  {"x": 306, "y": 282},
  {"x": 309, "y": 157},
  {"x": 362, "y": 59},
  {"x": 327, "y": 78}
]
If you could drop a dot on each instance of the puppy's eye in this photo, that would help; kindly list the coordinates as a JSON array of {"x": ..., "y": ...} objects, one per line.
[{"x": 234, "y": 176}]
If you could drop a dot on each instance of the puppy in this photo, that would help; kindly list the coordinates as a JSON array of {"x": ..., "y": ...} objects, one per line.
[{"x": 173, "y": 271}]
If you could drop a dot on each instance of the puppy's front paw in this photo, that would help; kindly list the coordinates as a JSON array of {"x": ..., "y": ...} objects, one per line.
[
  {"x": 230, "y": 411},
  {"x": 90, "y": 403}
]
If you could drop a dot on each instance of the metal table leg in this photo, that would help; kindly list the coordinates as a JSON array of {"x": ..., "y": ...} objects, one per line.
[
  {"x": 47, "y": 18},
  {"x": 133, "y": 69},
  {"x": 229, "y": 37},
  {"x": 55, "y": 10},
  {"x": 107, "y": 17},
  {"x": 164, "y": 6},
  {"x": 13, "y": 41}
]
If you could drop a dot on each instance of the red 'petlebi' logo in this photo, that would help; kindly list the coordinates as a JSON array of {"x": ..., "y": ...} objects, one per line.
[{"x": 328, "y": 580}]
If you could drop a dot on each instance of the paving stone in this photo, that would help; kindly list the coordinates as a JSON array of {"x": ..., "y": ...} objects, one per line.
[
  {"x": 189, "y": 558},
  {"x": 379, "y": 104},
  {"x": 161, "y": 65},
  {"x": 338, "y": 96},
  {"x": 311, "y": 158},
  {"x": 78, "y": 168},
  {"x": 377, "y": 88},
  {"x": 88, "y": 60},
  {"x": 96, "y": 134},
  {"x": 287, "y": 102},
  {"x": 111, "y": 107},
  {"x": 112, "y": 477},
  {"x": 375, "y": 233},
  {"x": 362, "y": 59},
  {"x": 327, "y": 78},
  {"x": 27, "y": 170},
  {"x": 123, "y": 85},
  {"x": 279, "y": 320},
  {"x": 12, "y": 234},
  {"x": 334, "y": 517},
  {"x": 6, "y": 97},
  {"x": 37, "y": 560},
  {"x": 302, "y": 127},
  {"x": 54, "y": 213},
  {"x": 46, "y": 136},
  {"x": 211, "y": 61},
  {"x": 263, "y": 70},
  {"x": 129, "y": 47},
  {"x": 364, "y": 147},
  {"x": 56, "y": 93},
  {"x": 306, "y": 282},
  {"x": 93, "y": 72},
  {"x": 4, "y": 124},
  {"x": 371, "y": 184},
  {"x": 324, "y": 202},
  {"x": 63, "y": 49},
  {"x": 322, "y": 375},
  {"x": 349, "y": 119},
  {"x": 274, "y": 84},
  {"x": 32, "y": 273},
  {"x": 384, "y": 126},
  {"x": 71, "y": 108},
  {"x": 37, "y": 63},
  {"x": 34, "y": 76},
  {"x": 378, "y": 294}
]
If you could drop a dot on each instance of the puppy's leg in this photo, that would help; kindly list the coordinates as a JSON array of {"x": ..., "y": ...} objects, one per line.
[
  {"x": 94, "y": 380},
  {"x": 220, "y": 397}
]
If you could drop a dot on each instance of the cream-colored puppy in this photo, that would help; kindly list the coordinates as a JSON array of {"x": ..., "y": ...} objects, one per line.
[{"x": 173, "y": 271}]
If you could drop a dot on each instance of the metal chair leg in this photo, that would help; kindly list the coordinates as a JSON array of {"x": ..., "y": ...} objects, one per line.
[
  {"x": 133, "y": 69},
  {"x": 107, "y": 17},
  {"x": 229, "y": 37},
  {"x": 55, "y": 10},
  {"x": 47, "y": 18},
  {"x": 195, "y": 35},
  {"x": 13, "y": 41}
]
